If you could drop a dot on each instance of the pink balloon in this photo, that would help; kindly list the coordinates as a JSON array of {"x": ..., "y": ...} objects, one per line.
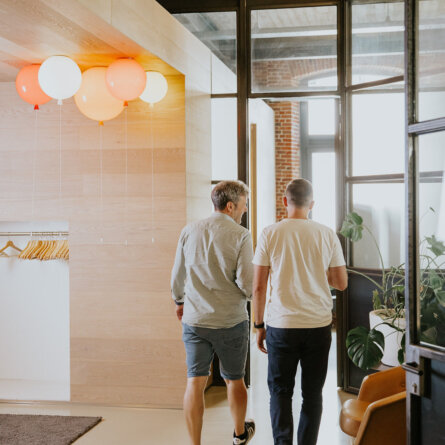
[
  {"x": 126, "y": 79},
  {"x": 27, "y": 85}
]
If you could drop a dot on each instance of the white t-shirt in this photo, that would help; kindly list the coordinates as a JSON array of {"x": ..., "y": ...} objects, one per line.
[{"x": 299, "y": 253}]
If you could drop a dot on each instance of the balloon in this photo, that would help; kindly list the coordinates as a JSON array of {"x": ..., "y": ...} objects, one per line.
[
  {"x": 126, "y": 79},
  {"x": 156, "y": 87},
  {"x": 60, "y": 77},
  {"x": 27, "y": 84},
  {"x": 93, "y": 98}
]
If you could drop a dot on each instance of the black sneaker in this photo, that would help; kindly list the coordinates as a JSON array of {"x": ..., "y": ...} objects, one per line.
[{"x": 249, "y": 432}]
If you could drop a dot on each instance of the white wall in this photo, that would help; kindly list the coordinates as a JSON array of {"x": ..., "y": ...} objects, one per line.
[
  {"x": 263, "y": 116},
  {"x": 34, "y": 323},
  {"x": 224, "y": 139}
]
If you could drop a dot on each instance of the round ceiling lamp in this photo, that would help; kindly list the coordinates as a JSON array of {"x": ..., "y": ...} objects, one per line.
[
  {"x": 60, "y": 77},
  {"x": 126, "y": 79},
  {"x": 156, "y": 87},
  {"x": 27, "y": 85},
  {"x": 94, "y": 99}
]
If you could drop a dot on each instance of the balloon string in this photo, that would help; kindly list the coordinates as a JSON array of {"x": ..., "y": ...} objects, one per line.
[
  {"x": 34, "y": 171},
  {"x": 60, "y": 161},
  {"x": 101, "y": 186},
  {"x": 152, "y": 177},
  {"x": 126, "y": 179}
]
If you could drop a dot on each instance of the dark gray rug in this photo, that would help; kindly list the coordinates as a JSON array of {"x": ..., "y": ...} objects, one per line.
[{"x": 43, "y": 430}]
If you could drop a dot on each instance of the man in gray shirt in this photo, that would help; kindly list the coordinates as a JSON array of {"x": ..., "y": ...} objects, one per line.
[{"x": 211, "y": 283}]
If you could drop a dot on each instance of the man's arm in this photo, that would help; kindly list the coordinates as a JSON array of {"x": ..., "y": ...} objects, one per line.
[
  {"x": 260, "y": 277},
  {"x": 244, "y": 269},
  {"x": 178, "y": 279},
  {"x": 338, "y": 277}
]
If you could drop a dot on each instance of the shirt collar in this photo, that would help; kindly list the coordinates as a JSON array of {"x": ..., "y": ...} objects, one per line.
[{"x": 220, "y": 215}]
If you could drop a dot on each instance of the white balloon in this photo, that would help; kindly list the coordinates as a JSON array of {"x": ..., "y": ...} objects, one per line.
[
  {"x": 60, "y": 77},
  {"x": 155, "y": 89}
]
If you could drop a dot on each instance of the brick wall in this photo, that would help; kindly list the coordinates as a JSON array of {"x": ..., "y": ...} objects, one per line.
[{"x": 287, "y": 148}]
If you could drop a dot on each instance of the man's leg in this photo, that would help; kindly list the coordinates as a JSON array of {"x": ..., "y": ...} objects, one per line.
[
  {"x": 231, "y": 346},
  {"x": 237, "y": 395},
  {"x": 314, "y": 365},
  {"x": 282, "y": 367},
  {"x": 199, "y": 355},
  {"x": 194, "y": 407}
]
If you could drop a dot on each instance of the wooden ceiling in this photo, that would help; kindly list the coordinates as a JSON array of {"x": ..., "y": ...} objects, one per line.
[{"x": 32, "y": 30}]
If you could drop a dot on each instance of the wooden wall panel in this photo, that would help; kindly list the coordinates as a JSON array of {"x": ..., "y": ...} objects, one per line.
[{"x": 125, "y": 340}]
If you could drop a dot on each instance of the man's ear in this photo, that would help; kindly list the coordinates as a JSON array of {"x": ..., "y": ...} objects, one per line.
[
  {"x": 285, "y": 201},
  {"x": 311, "y": 205},
  {"x": 230, "y": 206}
]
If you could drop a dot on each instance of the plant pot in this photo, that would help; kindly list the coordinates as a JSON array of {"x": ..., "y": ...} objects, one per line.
[{"x": 393, "y": 337}]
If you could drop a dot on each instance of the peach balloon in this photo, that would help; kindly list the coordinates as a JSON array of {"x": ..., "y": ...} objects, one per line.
[
  {"x": 93, "y": 98},
  {"x": 126, "y": 79},
  {"x": 27, "y": 84}
]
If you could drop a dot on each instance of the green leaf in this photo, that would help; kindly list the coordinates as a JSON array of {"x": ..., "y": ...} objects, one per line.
[
  {"x": 352, "y": 227},
  {"x": 376, "y": 302},
  {"x": 436, "y": 282},
  {"x": 440, "y": 294},
  {"x": 401, "y": 351},
  {"x": 356, "y": 218},
  {"x": 436, "y": 246},
  {"x": 401, "y": 355},
  {"x": 365, "y": 347}
]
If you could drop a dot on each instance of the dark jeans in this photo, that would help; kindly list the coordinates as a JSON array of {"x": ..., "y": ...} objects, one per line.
[{"x": 287, "y": 347}]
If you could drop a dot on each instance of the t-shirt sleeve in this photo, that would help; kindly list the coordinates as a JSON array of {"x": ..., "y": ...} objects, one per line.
[
  {"x": 337, "y": 258},
  {"x": 261, "y": 257}
]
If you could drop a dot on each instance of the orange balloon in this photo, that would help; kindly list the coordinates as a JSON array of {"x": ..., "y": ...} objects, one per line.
[
  {"x": 27, "y": 85},
  {"x": 126, "y": 79},
  {"x": 93, "y": 98}
]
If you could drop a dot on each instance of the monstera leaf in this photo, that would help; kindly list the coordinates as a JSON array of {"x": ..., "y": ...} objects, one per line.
[
  {"x": 365, "y": 347},
  {"x": 352, "y": 227}
]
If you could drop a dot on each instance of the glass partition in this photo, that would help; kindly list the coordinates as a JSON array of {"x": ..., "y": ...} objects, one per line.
[
  {"x": 382, "y": 208},
  {"x": 431, "y": 60},
  {"x": 377, "y": 41},
  {"x": 432, "y": 238},
  {"x": 378, "y": 128},
  {"x": 290, "y": 45}
]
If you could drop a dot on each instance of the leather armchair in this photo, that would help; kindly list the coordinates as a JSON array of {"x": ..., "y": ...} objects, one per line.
[{"x": 377, "y": 416}]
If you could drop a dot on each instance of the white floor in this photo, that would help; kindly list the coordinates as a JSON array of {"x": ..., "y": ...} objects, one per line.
[{"x": 131, "y": 426}]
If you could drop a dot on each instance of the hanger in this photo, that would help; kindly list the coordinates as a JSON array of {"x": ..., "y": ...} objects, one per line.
[{"x": 12, "y": 245}]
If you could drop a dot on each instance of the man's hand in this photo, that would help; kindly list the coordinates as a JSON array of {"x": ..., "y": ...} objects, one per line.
[
  {"x": 260, "y": 338},
  {"x": 179, "y": 311}
]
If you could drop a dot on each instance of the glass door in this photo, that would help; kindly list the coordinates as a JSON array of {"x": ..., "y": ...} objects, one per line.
[{"x": 425, "y": 200}]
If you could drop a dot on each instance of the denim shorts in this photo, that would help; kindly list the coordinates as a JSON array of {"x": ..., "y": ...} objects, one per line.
[{"x": 230, "y": 344}]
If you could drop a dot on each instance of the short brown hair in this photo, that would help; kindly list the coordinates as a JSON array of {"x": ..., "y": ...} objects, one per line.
[
  {"x": 228, "y": 191},
  {"x": 299, "y": 192}
]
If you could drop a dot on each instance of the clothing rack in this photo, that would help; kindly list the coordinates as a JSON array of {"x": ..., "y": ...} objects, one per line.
[{"x": 55, "y": 233}]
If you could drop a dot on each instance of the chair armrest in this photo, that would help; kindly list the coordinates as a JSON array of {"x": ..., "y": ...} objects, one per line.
[
  {"x": 351, "y": 416},
  {"x": 384, "y": 422},
  {"x": 382, "y": 384}
]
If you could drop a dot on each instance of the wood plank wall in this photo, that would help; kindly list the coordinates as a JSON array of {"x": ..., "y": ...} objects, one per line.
[{"x": 125, "y": 342}]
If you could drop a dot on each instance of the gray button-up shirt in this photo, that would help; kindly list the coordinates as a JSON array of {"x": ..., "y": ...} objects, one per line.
[{"x": 213, "y": 271}]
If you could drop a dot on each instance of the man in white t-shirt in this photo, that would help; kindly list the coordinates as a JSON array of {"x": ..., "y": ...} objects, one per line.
[{"x": 303, "y": 258}]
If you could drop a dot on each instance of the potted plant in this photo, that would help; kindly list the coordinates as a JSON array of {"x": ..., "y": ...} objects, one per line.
[{"x": 384, "y": 341}]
